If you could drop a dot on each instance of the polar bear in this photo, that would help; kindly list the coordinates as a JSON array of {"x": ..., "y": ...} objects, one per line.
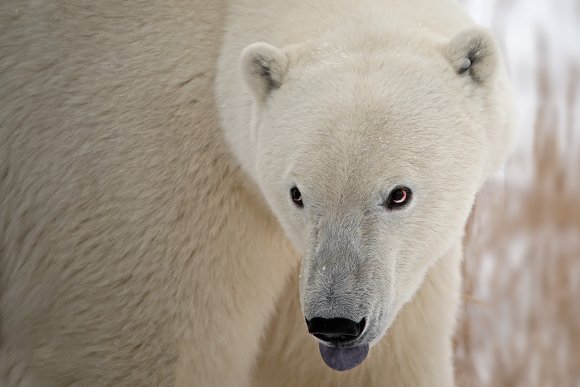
[
  {"x": 369, "y": 127},
  {"x": 198, "y": 193}
]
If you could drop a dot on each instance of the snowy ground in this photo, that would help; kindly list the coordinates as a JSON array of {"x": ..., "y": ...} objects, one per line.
[{"x": 521, "y": 323}]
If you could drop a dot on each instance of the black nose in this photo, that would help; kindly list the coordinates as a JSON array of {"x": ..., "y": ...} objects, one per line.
[{"x": 335, "y": 330}]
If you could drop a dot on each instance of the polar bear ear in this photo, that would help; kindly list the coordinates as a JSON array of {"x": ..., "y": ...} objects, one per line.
[
  {"x": 473, "y": 53},
  {"x": 263, "y": 69}
]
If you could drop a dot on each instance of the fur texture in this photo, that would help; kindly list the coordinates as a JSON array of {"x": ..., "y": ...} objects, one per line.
[
  {"x": 141, "y": 246},
  {"x": 131, "y": 251}
]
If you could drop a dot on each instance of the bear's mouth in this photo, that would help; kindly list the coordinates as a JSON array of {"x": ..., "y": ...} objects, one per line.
[
  {"x": 340, "y": 346},
  {"x": 343, "y": 358}
]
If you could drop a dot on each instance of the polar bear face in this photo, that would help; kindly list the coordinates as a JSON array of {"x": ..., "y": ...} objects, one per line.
[{"x": 371, "y": 161}]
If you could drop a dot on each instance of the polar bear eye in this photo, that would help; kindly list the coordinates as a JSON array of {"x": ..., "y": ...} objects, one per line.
[
  {"x": 296, "y": 197},
  {"x": 398, "y": 198}
]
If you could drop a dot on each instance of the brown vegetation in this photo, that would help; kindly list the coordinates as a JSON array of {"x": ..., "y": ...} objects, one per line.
[{"x": 521, "y": 317}]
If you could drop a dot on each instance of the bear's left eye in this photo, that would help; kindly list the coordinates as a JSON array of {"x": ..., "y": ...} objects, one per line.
[{"x": 398, "y": 198}]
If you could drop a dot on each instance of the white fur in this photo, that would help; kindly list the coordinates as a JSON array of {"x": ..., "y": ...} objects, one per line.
[
  {"x": 140, "y": 247},
  {"x": 356, "y": 99}
]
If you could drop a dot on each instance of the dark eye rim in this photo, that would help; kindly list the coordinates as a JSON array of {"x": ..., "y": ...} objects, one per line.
[
  {"x": 391, "y": 204},
  {"x": 296, "y": 197}
]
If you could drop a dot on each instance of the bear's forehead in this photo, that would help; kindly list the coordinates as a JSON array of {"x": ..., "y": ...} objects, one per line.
[
  {"x": 386, "y": 128},
  {"x": 372, "y": 145},
  {"x": 377, "y": 124},
  {"x": 408, "y": 94}
]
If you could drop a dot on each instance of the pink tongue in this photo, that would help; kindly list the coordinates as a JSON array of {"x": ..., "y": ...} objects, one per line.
[{"x": 342, "y": 359}]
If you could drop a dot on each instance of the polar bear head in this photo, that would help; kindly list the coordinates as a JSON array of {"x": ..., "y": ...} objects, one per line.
[{"x": 371, "y": 156}]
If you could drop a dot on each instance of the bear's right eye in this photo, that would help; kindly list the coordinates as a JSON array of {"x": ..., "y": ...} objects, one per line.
[
  {"x": 296, "y": 197},
  {"x": 399, "y": 198}
]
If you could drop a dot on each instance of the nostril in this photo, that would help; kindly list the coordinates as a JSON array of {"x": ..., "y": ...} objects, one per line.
[{"x": 335, "y": 330}]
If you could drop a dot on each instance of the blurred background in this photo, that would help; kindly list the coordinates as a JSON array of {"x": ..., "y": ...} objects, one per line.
[{"x": 520, "y": 324}]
